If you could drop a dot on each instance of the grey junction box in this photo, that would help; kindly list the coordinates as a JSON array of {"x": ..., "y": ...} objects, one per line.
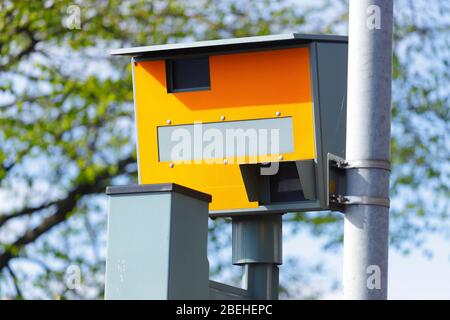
[{"x": 157, "y": 243}]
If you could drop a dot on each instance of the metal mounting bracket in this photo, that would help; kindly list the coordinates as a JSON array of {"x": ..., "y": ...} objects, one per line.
[
  {"x": 353, "y": 200},
  {"x": 357, "y": 164},
  {"x": 344, "y": 200}
]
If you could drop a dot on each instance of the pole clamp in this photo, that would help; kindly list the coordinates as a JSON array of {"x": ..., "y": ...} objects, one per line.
[
  {"x": 357, "y": 164},
  {"x": 354, "y": 200}
]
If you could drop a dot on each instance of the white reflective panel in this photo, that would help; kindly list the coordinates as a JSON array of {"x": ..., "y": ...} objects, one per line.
[{"x": 228, "y": 139}]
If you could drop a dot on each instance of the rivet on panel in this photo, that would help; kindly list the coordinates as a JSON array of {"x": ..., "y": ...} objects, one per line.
[
  {"x": 225, "y": 161},
  {"x": 171, "y": 165},
  {"x": 280, "y": 157},
  {"x": 169, "y": 121},
  {"x": 222, "y": 117},
  {"x": 278, "y": 113}
]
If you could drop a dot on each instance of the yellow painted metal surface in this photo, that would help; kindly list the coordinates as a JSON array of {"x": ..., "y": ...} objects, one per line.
[{"x": 253, "y": 85}]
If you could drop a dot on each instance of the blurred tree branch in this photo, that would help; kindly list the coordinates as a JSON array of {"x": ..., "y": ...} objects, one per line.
[{"x": 63, "y": 209}]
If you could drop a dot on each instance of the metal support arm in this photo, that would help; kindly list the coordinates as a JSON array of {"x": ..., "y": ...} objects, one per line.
[{"x": 257, "y": 244}]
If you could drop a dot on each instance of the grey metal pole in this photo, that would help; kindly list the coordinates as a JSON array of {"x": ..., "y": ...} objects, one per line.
[
  {"x": 257, "y": 246},
  {"x": 368, "y": 144}
]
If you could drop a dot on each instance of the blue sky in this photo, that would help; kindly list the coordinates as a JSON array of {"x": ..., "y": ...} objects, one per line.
[{"x": 413, "y": 276}]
